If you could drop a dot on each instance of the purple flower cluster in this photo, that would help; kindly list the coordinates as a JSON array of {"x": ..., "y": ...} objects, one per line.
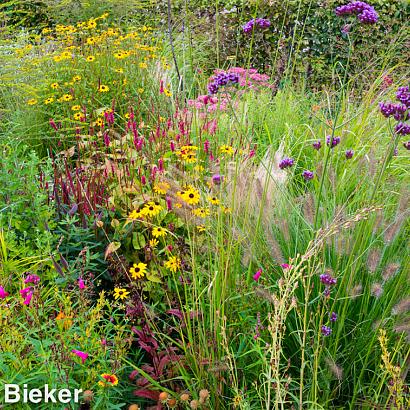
[
  {"x": 317, "y": 145},
  {"x": 332, "y": 141},
  {"x": 328, "y": 279},
  {"x": 399, "y": 111},
  {"x": 221, "y": 80},
  {"x": 308, "y": 175},
  {"x": 364, "y": 12},
  {"x": 326, "y": 330},
  {"x": 286, "y": 163},
  {"x": 262, "y": 23},
  {"x": 349, "y": 154}
]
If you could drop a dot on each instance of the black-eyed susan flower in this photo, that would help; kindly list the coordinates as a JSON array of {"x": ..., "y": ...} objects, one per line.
[
  {"x": 90, "y": 59},
  {"x": 109, "y": 380},
  {"x": 103, "y": 88},
  {"x": 226, "y": 149},
  {"x": 120, "y": 293},
  {"x": 201, "y": 212},
  {"x": 99, "y": 122},
  {"x": 153, "y": 242},
  {"x": 134, "y": 214},
  {"x": 173, "y": 263},
  {"x": 138, "y": 270},
  {"x": 167, "y": 92},
  {"x": 76, "y": 78},
  {"x": 143, "y": 65},
  {"x": 152, "y": 209},
  {"x": 48, "y": 100},
  {"x": 191, "y": 196},
  {"x": 32, "y": 101},
  {"x": 158, "y": 232},
  {"x": 161, "y": 187},
  {"x": 78, "y": 116},
  {"x": 67, "y": 97},
  {"x": 76, "y": 107},
  {"x": 54, "y": 86},
  {"x": 213, "y": 200}
]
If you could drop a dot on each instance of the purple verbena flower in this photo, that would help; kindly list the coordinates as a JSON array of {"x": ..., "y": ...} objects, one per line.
[
  {"x": 403, "y": 95},
  {"x": 220, "y": 80},
  {"x": 406, "y": 145},
  {"x": 308, "y": 175},
  {"x": 327, "y": 279},
  {"x": 317, "y": 145},
  {"x": 365, "y": 13},
  {"x": 326, "y": 330},
  {"x": 259, "y": 22},
  {"x": 402, "y": 129},
  {"x": 332, "y": 142},
  {"x": 349, "y": 154},
  {"x": 286, "y": 163},
  {"x": 217, "y": 179},
  {"x": 333, "y": 317}
]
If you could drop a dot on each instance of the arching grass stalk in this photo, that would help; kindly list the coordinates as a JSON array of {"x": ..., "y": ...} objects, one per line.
[{"x": 334, "y": 126}]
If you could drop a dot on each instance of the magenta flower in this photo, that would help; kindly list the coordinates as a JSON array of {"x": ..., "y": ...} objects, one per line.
[
  {"x": 81, "y": 283},
  {"x": 257, "y": 275},
  {"x": 3, "y": 293},
  {"x": 285, "y": 266},
  {"x": 27, "y": 294},
  {"x": 82, "y": 355},
  {"x": 32, "y": 278}
]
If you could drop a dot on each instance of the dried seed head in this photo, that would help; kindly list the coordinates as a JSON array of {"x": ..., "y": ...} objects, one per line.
[
  {"x": 356, "y": 290},
  {"x": 204, "y": 394},
  {"x": 184, "y": 397},
  {"x": 194, "y": 404},
  {"x": 88, "y": 396}
]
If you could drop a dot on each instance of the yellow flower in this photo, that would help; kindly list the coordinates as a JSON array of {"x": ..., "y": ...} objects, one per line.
[
  {"x": 77, "y": 78},
  {"x": 54, "y": 86},
  {"x": 167, "y": 92},
  {"x": 32, "y": 101},
  {"x": 67, "y": 97},
  {"x": 119, "y": 70},
  {"x": 49, "y": 100},
  {"x": 173, "y": 263},
  {"x": 190, "y": 196},
  {"x": 65, "y": 320},
  {"x": 201, "y": 212},
  {"x": 76, "y": 107},
  {"x": 213, "y": 200},
  {"x": 153, "y": 243},
  {"x": 78, "y": 116},
  {"x": 90, "y": 58},
  {"x": 226, "y": 149},
  {"x": 109, "y": 380},
  {"x": 189, "y": 157},
  {"x": 201, "y": 228},
  {"x": 140, "y": 90},
  {"x": 103, "y": 88},
  {"x": 143, "y": 65},
  {"x": 135, "y": 215},
  {"x": 161, "y": 187},
  {"x": 152, "y": 208},
  {"x": 158, "y": 232},
  {"x": 120, "y": 293},
  {"x": 99, "y": 122},
  {"x": 138, "y": 270}
]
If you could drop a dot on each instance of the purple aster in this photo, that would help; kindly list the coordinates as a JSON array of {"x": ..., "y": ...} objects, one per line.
[
  {"x": 406, "y": 145},
  {"x": 327, "y": 279},
  {"x": 326, "y": 330},
  {"x": 308, "y": 175},
  {"x": 332, "y": 142},
  {"x": 286, "y": 163},
  {"x": 333, "y": 317},
  {"x": 349, "y": 154},
  {"x": 402, "y": 128},
  {"x": 317, "y": 145}
]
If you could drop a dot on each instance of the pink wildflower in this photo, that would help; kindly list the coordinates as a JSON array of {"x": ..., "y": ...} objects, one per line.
[{"x": 82, "y": 355}]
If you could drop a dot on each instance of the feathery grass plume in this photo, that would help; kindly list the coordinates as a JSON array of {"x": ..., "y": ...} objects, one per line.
[
  {"x": 393, "y": 229},
  {"x": 334, "y": 368},
  {"x": 273, "y": 245},
  {"x": 373, "y": 259},
  {"x": 356, "y": 291},
  {"x": 403, "y": 327},
  {"x": 377, "y": 289},
  {"x": 378, "y": 221},
  {"x": 309, "y": 208},
  {"x": 390, "y": 270},
  {"x": 265, "y": 294},
  {"x": 401, "y": 307}
]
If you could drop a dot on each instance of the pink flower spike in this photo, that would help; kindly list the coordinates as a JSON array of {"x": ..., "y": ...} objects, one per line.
[
  {"x": 3, "y": 293},
  {"x": 257, "y": 275},
  {"x": 81, "y": 283},
  {"x": 82, "y": 355},
  {"x": 32, "y": 278},
  {"x": 27, "y": 300},
  {"x": 285, "y": 266}
]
